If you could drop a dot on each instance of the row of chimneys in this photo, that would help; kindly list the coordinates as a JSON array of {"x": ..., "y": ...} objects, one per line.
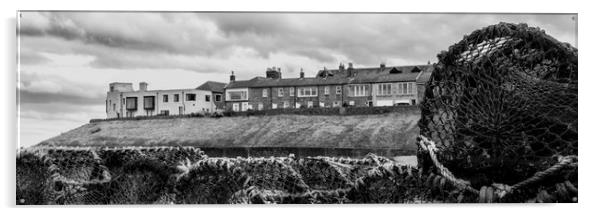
[{"x": 275, "y": 73}]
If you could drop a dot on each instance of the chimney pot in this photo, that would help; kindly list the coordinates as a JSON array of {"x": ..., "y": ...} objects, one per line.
[
  {"x": 232, "y": 77},
  {"x": 143, "y": 86}
]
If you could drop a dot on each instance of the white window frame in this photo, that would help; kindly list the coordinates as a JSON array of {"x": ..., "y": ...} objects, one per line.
[
  {"x": 358, "y": 90},
  {"x": 338, "y": 90},
  {"x": 336, "y": 104},
  {"x": 260, "y": 106},
  {"x": 292, "y": 91},
  {"x": 326, "y": 90},
  {"x": 310, "y": 104},
  {"x": 264, "y": 92},
  {"x": 303, "y": 91},
  {"x": 235, "y": 107},
  {"x": 245, "y": 106},
  {"x": 384, "y": 89},
  {"x": 280, "y": 92},
  {"x": 285, "y": 104},
  {"x": 245, "y": 94}
]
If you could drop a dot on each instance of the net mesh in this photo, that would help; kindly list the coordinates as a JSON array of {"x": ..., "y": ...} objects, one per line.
[
  {"x": 501, "y": 105},
  {"x": 187, "y": 176}
]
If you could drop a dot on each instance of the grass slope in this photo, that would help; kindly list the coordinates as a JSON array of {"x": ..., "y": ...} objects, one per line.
[{"x": 392, "y": 130}]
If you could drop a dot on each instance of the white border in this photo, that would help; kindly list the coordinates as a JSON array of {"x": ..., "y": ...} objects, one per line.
[{"x": 589, "y": 35}]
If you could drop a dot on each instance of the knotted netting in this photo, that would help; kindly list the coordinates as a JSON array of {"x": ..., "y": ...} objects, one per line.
[
  {"x": 501, "y": 105},
  {"x": 183, "y": 175}
]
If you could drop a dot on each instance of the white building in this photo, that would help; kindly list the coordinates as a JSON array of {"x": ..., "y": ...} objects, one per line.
[{"x": 123, "y": 101}]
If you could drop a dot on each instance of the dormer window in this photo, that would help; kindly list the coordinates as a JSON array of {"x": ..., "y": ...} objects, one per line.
[
  {"x": 415, "y": 70},
  {"x": 395, "y": 71}
]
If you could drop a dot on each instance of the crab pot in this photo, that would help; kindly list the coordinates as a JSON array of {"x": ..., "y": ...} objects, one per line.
[{"x": 501, "y": 104}]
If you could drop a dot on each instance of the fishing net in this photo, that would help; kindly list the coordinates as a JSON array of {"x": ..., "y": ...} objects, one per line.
[
  {"x": 187, "y": 176},
  {"x": 501, "y": 105}
]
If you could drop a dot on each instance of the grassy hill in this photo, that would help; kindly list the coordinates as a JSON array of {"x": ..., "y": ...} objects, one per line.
[{"x": 396, "y": 130}]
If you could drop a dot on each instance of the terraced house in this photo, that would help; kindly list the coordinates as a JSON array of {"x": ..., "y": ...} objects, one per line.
[{"x": 377, "y": 86}]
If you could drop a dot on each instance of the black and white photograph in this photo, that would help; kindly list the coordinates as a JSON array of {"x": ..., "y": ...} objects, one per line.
[{"x": 295, "y": 107}]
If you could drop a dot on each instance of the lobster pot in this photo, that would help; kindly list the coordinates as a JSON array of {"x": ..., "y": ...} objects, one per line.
[{"x": 501, "y": 104}]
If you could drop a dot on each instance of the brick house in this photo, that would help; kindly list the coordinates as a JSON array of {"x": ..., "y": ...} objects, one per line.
[{"x": 378, "y": 86}]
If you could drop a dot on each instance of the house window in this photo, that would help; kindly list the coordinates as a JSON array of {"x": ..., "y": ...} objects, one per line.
[
  {"x": 358, "y": 90},
  {"x": 236, "y": 95},
  {"x": 280, "y": 92},
  {"x": 338, "y": 90},
  {"x": 285, "y": 104},
  {"x": 190, "y": 97},
  {"x": 310, "y": 104},
  {"x": 265, "y": 93},
  {"x": 326, "y": 90},
  {"x": 235, "y": 107},
  {"x": 164, "y": 112},
  {"x": 352, "y": 103},
  {"x": 383, "y": 89},
  {"x": 336, "y": 104},
  {"x": 406, "y": 88},
  {"x": 114, "y": 107},
  {"x": 245, "y": 106},
  {"x": 207, "y": 98},
  {"x": 260, "y": 106},
  {"x": 308, "y": 92},
  {"x": 131, "y": 103},
  {"x": 218, "y": 97},
  {"x": 165, "y": 98},
  {"x": 292, "y": 91},
  {"x": 149, "y": 102},
  {"x": 176, "y": 98}
]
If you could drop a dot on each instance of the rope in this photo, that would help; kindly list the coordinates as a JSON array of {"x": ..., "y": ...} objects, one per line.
[
  {"x": 501, "y": 190},
  {"x": 430, "y": 147},
  {"x": 564, "y": 162}
]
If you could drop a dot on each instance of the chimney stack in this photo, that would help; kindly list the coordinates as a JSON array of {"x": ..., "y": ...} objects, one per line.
[
  {"x": 301, "y": 74},
  {"x": 143, "y": 86},
  {"x": 341, "y": 67},
  {"x": 350, "y": 70},
  {"x": 382, "y": 66},
  {"x": 273, "y": 73},
  {"x": 232, "y": 77}
]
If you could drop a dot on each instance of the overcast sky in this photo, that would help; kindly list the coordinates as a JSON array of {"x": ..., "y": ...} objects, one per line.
[{"x": 68, "y": 59}]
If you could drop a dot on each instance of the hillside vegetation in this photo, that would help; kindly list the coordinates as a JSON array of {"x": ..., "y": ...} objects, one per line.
[{"x": 396, "y": 130}]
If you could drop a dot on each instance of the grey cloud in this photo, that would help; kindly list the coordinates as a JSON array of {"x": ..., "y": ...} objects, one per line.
[
  {"x": 362, "y": 38},
  {"x": 32, "y": 58},
  {"x": 48, "y": 97}
]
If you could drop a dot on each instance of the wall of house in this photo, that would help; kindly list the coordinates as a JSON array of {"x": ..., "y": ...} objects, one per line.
[
  {"x": 218, "y": 105},
  {"x": 389, "y": 100},
  {"x": 358, "y": 101},
  {"x": 330, "y": 99},
  {"x": 255, "y": 96},
  {"x": 229, "y": 104},
  {"x": 200, "y": 105}
]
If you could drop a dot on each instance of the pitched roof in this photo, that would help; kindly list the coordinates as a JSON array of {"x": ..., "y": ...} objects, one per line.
[
  {"x": 334, "y": 77},
  {"x": 212, "y": 86}
]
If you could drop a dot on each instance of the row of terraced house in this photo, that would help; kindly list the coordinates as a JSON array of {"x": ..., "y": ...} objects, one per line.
[{"x": 375, "y": 86}]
